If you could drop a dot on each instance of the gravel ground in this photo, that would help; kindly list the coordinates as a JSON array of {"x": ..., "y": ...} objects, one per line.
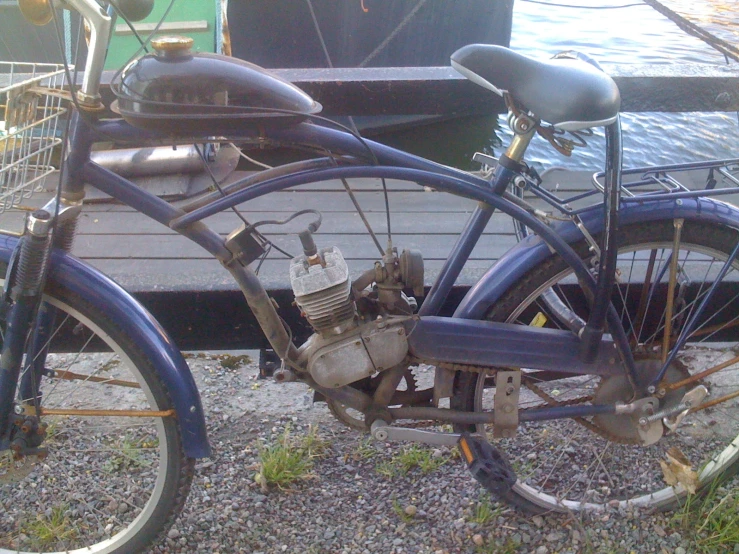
[{"x": 347, "y": 506}]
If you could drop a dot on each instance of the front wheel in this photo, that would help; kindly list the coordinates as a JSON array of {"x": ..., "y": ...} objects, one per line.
[
  {"x": 594, "y": 463},
  {"x": 113, "y": 475}
]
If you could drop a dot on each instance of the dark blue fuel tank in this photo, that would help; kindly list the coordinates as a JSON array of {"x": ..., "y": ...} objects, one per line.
[{"x": 177, "y": 92}]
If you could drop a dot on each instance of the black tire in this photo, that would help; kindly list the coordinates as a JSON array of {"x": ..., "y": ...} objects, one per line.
[
  {"x": 598, "y": 463},
  {"x": 109, "y": 483}
]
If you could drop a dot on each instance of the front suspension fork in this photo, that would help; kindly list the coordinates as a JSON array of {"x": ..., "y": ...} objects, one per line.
[{"x": 24, "y": 285}]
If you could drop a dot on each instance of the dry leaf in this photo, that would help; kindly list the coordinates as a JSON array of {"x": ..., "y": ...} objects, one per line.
[{"x": 677, "y": 470}]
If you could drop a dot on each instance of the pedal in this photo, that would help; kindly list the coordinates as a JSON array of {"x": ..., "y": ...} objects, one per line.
[{"x": 489, "y": 466}]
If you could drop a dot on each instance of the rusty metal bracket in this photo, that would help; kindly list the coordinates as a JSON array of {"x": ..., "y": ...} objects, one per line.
[{"x": 507, "y": 389}]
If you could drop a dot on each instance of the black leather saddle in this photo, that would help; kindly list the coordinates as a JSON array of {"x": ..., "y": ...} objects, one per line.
[{"x": 567, "y": 92}]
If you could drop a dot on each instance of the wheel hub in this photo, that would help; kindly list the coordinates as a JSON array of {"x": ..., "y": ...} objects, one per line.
[{"x": 618, "y": 389}]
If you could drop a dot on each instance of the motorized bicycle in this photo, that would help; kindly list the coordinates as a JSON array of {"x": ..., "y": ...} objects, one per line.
[{"x": 595, "y": 334}]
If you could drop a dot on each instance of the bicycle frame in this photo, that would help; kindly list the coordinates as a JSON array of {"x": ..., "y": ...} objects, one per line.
[{"x": 431, "y": 337}]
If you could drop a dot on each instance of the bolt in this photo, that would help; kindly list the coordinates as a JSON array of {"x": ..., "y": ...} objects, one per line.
[
  {"x": 509, "y": 389},
  {"x": 651, "y": 389},
  {"x": 679, "y": 202},
  {"x": 358, "y": 343},
  {"x": 400, "y": 331},
  {"x": 661, "y": 392},
  {"x": 643, "y": 421},
  {"x": 193, "y": 409}
]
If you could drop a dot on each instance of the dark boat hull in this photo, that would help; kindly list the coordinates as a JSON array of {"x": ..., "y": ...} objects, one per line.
[{"x": 398, "y": 33}]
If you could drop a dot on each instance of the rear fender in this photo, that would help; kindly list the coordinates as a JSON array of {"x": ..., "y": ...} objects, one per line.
[
  {"x": 531, "y": 251},
  {"x": 134, "y": 320}
]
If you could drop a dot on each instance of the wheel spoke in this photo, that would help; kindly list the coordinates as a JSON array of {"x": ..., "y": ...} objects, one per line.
[{"x": 667, "y": 272}]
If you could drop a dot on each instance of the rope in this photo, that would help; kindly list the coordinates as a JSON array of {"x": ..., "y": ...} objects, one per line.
[
  {"x": 392, "y": 35},
  {"x": 726, "y": 48}
]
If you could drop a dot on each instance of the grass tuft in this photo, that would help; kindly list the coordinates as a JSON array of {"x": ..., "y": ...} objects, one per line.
[
  {"x": 485, "y": 511},
  {"x": 228, "y": 361},
  {"x": 53, "y": 528},
  {"x": 410, "y": 458},
  {"x": 290, "y": 459},
  {"x": 711, "y": 519}
]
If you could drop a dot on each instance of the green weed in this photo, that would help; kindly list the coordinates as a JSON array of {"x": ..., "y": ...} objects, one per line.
[
  {"x": 228, "y": 361},
  {"x": 128, "y": 452},
  {"x": 494, "y": 547},
  {"x": 711, "y": 519},
  {"x": 364, "y": 451},
  {"x": 52, "y": 529},
  {"x": 290, "y": 459},
  {"x": 485, "y": 511},
  {"x": 410, "y": 458}
]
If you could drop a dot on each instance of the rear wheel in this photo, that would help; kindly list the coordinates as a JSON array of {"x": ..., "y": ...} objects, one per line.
[
  {"x": 112, "y": 481},
  {"x": 592, "y": 463}
]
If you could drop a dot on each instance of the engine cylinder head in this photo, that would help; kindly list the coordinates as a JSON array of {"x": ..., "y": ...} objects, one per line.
[{"x": 323, "y": 290}]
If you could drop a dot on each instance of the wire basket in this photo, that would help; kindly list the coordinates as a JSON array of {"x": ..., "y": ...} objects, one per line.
[{"x": 30, "y": 105}]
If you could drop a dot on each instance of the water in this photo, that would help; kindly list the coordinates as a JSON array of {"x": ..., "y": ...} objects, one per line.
[{"x": 635, "y": 35}]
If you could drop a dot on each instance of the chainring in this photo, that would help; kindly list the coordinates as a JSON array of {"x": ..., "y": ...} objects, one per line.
[
  {"x": 355, "y": 419},
  {"x": 624, "y": 429}
]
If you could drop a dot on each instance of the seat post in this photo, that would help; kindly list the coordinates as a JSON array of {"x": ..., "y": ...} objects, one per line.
[{"x": 524, "y": 128}]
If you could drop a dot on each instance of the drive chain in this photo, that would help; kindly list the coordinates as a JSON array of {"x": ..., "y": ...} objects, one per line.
[{"x": 550, "y": 400}]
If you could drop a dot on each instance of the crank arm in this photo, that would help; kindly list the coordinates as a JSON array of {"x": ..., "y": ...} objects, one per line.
[{"x": 381, "y": 431}]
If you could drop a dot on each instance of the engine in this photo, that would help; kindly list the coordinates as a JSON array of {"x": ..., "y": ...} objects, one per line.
[{"x": 357, "y": 329}]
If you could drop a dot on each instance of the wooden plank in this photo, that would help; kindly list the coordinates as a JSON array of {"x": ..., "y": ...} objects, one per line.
[
  {"x": 163, "y": 276},
  {"x": 166, "y": 27},
  {"x": 102, "y": 223},
  {"x": 354, "y": 247}
]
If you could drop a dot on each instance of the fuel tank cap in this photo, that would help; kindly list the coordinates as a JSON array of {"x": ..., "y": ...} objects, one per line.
[{"x": 172, "y": 46}]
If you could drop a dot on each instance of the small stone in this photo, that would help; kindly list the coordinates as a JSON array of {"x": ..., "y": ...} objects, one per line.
[
  {"x": 397, "y": 542},
  {"x": 680, "y": 550},
  {"x": 173, "y": 533},
  {"x": 410, "y": 510},
  {"x": 477, "y": 539},
  {"x": 542, "y": 550},
  {"x": 659, "y": 531},
  {"x": 538, "y": 521},
  {"x": 437, "y": 453}
]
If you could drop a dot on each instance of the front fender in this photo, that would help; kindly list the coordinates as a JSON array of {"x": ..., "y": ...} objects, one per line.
[
  {"x": 532, "y": 250},
  {"x": 133, "y": 319}
]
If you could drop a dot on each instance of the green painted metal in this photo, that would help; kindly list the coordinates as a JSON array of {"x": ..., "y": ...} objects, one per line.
[{"x": 193, "y": 18}]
